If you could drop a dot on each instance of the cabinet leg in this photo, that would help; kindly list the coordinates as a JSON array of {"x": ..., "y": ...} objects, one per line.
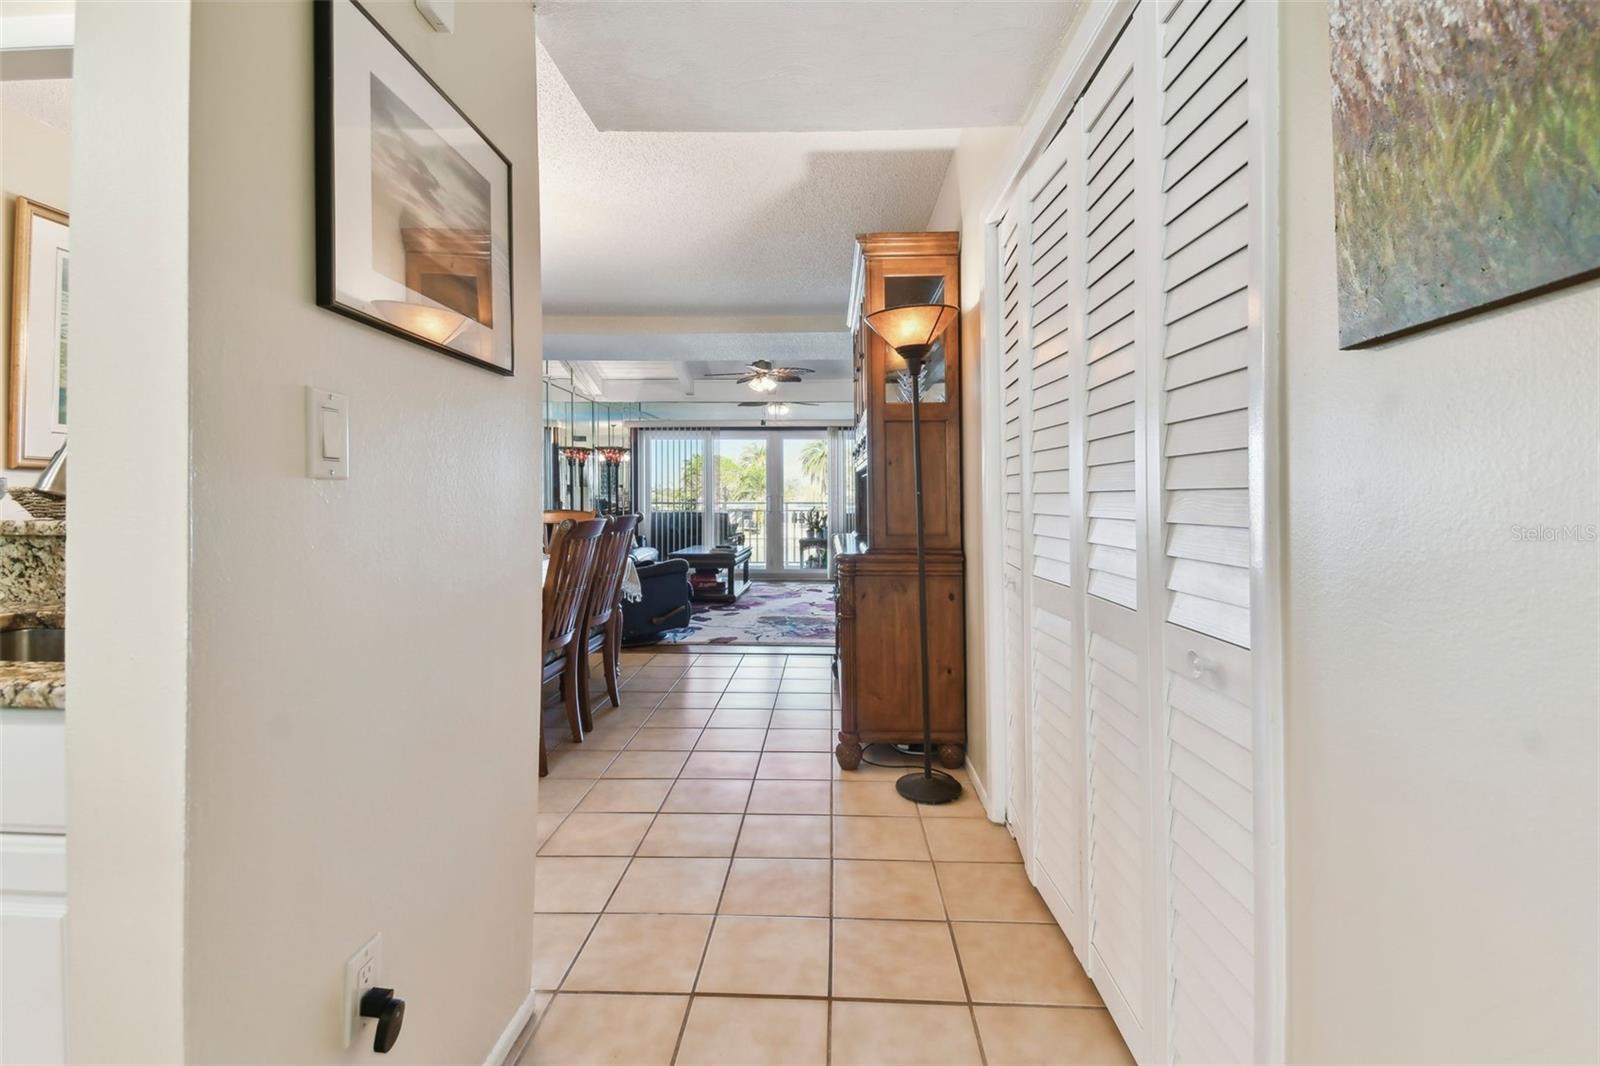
[
  {"x": 848, "y": 752},
  {"x": 952, "y": 756}
]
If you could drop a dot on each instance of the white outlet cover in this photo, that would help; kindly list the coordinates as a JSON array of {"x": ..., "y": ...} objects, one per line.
[{"x": 361, "y": 972}]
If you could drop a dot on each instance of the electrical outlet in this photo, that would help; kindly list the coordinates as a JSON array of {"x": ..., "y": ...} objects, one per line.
[{"x": 361, "y": 972}]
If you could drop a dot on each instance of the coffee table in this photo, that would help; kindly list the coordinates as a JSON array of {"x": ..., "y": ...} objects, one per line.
[{"x": 703, "y": 560}]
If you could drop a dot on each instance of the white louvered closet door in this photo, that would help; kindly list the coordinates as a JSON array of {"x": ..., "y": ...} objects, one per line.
[
  {"x": 1210, "y": 346},
  {"x": 1116, "y": 178},
  {"x": 1014, "y": 387},
  {"x": 1051, "y": 191}
]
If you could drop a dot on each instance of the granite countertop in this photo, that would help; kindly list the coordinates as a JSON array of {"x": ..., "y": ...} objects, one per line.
[
  {"x": 33, "y": 527},
  {"x": 40, "y": 686},
  {"x": 37, "y": 686}
]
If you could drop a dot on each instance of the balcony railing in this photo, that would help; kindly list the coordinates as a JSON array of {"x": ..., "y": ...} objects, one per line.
[{"x": 676, "y": 524}]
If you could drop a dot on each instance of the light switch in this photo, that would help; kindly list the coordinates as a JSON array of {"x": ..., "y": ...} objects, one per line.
[{"x": 327, "y": 434}]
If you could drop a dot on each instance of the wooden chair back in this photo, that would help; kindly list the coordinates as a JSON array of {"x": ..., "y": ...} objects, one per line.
[
  {"x": 552, "y": 519},
  {"x": 611, "y": 562},
  {"x": 566, "y": 587}
]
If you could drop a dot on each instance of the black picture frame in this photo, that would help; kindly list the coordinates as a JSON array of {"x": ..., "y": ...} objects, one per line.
[{"x": 325, "y": 63}]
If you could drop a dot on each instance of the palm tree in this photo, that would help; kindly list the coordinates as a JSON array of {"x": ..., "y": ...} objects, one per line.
[{"x": 814, "y": 462}]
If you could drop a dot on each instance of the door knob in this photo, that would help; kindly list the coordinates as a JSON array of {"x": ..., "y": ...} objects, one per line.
[
  {"x": 1199, "y": 665},
  {"x": 390, "y": 1010}
]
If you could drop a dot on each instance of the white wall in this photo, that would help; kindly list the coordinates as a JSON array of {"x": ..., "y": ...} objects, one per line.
[
  {"x": 969, "y": 186},
  {"x": 127, "y": 557},
  {"x": 1442, "y": 700},
  {"x": 35, "y": 161},
  {"x": 362, "y": 678}
]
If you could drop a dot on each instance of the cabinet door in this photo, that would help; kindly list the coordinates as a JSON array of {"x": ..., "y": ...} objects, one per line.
[
  {"x": 1013, "y": 389},
  {"x": 1210, "y": 343},
  {"x": 33, "y": 926},
  {"x": 1053, "y": 211}
]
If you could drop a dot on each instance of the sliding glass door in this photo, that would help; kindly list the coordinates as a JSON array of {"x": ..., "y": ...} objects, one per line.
[{"x": 768, "y": 490}]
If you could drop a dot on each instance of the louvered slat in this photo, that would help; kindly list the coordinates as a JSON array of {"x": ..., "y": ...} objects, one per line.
[{"x": 1117, "y": 803}]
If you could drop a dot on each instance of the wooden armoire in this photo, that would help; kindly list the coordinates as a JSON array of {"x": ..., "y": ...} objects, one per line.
[{"x": 879, "y": 653}]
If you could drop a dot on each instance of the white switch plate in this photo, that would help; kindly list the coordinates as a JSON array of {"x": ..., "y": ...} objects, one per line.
[
  {"x": 361, "y": 972},
  {"x": 441, "y": 14},
  {"x": 327, "y": 434}
]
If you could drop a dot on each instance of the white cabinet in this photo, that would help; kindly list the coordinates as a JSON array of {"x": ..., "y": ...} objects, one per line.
[
  {"x": 33, "y": 887},
  {"x": 1133, "y": 282}
]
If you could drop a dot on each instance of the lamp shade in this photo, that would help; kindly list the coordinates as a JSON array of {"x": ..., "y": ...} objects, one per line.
[{"x": 913, "y": 326}]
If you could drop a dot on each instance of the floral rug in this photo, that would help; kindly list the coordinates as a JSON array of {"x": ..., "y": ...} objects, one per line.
[{"x": 771, "y": 612}]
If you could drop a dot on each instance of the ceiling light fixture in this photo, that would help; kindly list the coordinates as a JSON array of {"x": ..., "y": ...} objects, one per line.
[
  {"x": 777, "y": 409},
  {"x": 763, "y": 384}
]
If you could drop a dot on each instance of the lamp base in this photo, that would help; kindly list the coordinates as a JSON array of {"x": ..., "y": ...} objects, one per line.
[{"x": 921, "y": 788}]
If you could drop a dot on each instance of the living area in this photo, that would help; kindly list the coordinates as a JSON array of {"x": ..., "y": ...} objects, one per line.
[{"x": 738, "y": 500}]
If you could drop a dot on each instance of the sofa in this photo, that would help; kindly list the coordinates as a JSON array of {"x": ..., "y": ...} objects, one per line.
[{"x": 666, "y": 598}]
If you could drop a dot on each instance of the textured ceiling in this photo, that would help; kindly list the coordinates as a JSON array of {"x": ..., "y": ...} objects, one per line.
[
  {"x": 716, "y": 223},
  {"x": 46, "y": 100},
  {"x": 810, "y": 65},
  {"x": 828, "y": 353}
]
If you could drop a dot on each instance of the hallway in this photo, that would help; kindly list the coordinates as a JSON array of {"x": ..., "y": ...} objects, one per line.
[{"x": 711, "y": 888}]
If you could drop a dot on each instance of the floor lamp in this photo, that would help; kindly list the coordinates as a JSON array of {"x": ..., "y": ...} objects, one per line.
[{"x": 911, "y": 331}]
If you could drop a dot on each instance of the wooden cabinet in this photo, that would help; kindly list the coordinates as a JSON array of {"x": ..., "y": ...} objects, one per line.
[
  {"x": 879, "y": 669},
  {"x": 33, "y": 886}
]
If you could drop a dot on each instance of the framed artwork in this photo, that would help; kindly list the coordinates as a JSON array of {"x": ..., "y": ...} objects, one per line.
[
  {"x": 39, "y": 314},
  {"x": 413, "y": 201},
  {"x": 1466, "y": 174}
]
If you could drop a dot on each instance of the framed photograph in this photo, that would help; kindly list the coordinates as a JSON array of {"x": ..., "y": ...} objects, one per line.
[
  {"x": 39, "y": 310},
  {"x": 1464, "y": 136},
  {"x": 413, "y": 201}
]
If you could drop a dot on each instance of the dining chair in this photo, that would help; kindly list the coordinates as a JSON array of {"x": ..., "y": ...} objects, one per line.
[
  {"x": 601, "y": 630},
  {"x": 566, "y": 590},
  {"x": 552, "y": 519}
]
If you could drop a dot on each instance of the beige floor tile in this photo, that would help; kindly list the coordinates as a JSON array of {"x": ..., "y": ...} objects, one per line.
[
  {"x": 628, "y": 716},
  {"x": 736, "y": 718},
  {"x": 731, "y": 740},
  {"x": 785, "y": 836},
  {"x": 574, "y": 886},
  {"x": 990, "y": 892},
  {"x": 556, "y": 940},
  {"x": 625, "y": 795},
  {"x": 691, "y": 835},
  {"x": 640, "y": 953},
  {"x": 809, "y": 740},
  {"x": 608, "y": 1031},
  {"x": 789, "y": 797},
  {"x": 866, "y": 888},
  {"x": 879, "y": 838},
  {"x": 598, "y": 834},
  {"x": 903, "y": 1034},
  {"x": 712, "y": 668},
  {"x": 659, "y": 739},
  {"x": 779, "y": 887},
  {"x": 803, "y": 701},
  {"x": 609, "y": 737},
  {"x": 871, "y": 799},
  {"x": 648, "y": 680},
  {"x": 753, "y": 684},
  {"x": 969, "y": 840},
  {"x": 687, "y": 699},
  {"x": 647, "y": 764},
  {"x": 577, "y": 761},
  {"x": 1012, "y": 963},
  {"x": 895, "y": 960},
  {"x": 737, "y": 765},
  {"x": 707, "y": 797},
  {"x": 966, "y": 805},
  {"x": 795, "y": 766},
  {"x": 1048, "y": 1036},
  {"x": 766, "y": 957},
  {"x": 712, "y": 685},
  {"x": 543, "y": 826},
  {"x": 758, "y": 669},
  {"x": 755, "y": 1032},
  {"x": 679, "y": 718},
  {"x": 807, "y": 686},
  {"x": 788, "y": 719},
  {"x": 670, "y": 886},
  {"x": 746, "y": 701}
]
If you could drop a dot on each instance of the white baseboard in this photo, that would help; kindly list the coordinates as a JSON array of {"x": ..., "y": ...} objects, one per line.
[
  {"x": 982, "y": 793},
  {"x": 520, "y": 1022}
]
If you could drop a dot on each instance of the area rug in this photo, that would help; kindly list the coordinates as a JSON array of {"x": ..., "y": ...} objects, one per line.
[{"x": 771, "y": 612}]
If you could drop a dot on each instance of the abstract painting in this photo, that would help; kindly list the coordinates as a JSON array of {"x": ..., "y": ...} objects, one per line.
[
  {"x": 1466, "y": 140},
  {"x": 414, "y": 202}
]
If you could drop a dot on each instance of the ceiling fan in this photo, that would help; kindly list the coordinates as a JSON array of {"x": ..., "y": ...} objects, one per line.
[
  {"x": 777, "y": 408},
  {"x": 762, "y": 376}
]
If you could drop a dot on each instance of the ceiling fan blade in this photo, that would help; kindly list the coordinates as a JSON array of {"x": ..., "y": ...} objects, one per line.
[{"x": 791, "y": 370}]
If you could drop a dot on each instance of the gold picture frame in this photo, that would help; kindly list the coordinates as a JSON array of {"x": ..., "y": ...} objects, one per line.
[{"x": 37, "y": 403}]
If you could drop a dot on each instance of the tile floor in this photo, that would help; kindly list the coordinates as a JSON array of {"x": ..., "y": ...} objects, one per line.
[{"x": 713, "y": 889}]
